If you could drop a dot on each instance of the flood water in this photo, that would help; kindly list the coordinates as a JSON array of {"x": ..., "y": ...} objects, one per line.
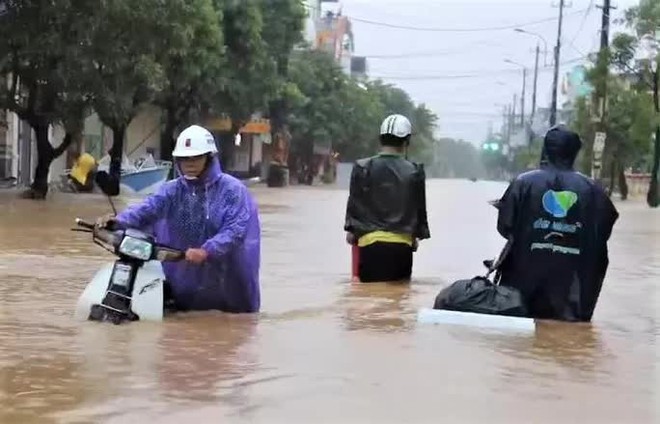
[{"x": 322, "y": 349}]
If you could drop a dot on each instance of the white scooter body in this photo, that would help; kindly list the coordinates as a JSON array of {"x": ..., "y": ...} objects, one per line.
[{"x": 147, "y": 297}]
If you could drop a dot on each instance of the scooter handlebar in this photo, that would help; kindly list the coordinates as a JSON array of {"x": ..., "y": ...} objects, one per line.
[
  {"x": 168, "y": 254},
  {"x": 84, "y": 224},
  {"x": 162, "y": 253}
]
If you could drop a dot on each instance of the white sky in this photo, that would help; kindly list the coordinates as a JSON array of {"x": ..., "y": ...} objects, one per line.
[{"x": 466, "y": 106}]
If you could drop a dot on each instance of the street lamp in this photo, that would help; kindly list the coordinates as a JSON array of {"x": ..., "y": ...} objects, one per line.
[
  {"x": 524, "y": 84},
  {"x": 540, "y": 37},
  {"x": 514, "y": 63},
  {"x": 536, "y": 69}
]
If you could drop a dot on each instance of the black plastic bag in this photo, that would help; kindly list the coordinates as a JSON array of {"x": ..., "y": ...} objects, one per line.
[{"x": 481, "y": 296}]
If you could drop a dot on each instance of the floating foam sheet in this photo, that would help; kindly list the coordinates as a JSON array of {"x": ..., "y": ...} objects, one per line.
[{"x": 497, "y": 322}]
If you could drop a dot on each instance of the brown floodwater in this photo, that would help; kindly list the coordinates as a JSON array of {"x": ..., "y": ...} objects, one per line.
[{"x": 322, "y": 349}]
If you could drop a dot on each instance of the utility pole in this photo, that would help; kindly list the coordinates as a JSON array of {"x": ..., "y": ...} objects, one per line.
[
  {"x": 603, "y": 58},
  {"x": 522, "y": 99},
  {"x": 533, "y": 112},
  {"x": 555, "y": 81},
  {"x": 505, "y": 123},
  {"x": 512, "y": 118},
  {"x": 512, "y": 125},
  {"x": 653, "y": 196},
  {"x": 600, "y": 103},
  {"x": 605, "y": 24},
  {"x": 536, "y": 79}
]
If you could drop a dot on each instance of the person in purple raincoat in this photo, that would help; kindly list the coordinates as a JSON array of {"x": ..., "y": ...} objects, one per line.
[{"x": 213, "y": 218}]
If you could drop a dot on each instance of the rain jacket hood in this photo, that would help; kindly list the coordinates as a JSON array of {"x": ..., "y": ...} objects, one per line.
[
  {"x": 560, "y": 148},
  {"x": 215, "y": 212}
]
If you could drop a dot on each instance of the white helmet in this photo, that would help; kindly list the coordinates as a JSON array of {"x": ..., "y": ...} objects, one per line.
[
  {"x": 396, "y": 125},
  {"x": 194, "y": 141}
]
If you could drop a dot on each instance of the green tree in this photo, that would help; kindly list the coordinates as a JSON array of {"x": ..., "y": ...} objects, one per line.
[
  {"x": 284, "y": 22},
  {"x": 318, "y": 109},
  {"x": 395, "y": 100},
  {"x": 644, "y": 20},
  {"x": 630, "y": 118},
  {"x": 630, "y": 125},
  {"x": 363, "y": 113},
  {"x": 582, "y": 124},
  {"x": 456, "y": 159},
  {"x": 193, "y": 65},
  {"x": 38, "y": 51},
  {"x": 525, "y": 158},
  {"x": 121, "y": 67},
  {"x": 422, "y": 147},
  {"x": 330, "y": 108},
  {"x": 248, "y": 77}
]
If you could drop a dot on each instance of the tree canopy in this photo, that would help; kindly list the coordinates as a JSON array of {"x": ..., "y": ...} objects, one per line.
[{"x": 630, "y": 118}]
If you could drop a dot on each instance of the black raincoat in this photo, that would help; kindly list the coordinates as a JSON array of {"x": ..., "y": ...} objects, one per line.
[
  {"x": 559, "y": 221},
  {"x": 387, "y": 193}
]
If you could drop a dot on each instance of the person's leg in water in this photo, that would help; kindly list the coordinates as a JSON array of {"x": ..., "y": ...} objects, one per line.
[
  {"x": 385, "y": 262},
  {"x": 169, "y": 305}
]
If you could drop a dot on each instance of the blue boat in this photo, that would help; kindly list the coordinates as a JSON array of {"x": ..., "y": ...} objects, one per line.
[{"x": 144, "y": 176}]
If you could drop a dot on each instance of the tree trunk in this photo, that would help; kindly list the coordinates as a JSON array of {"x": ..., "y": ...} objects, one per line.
[
  {"x": 653, "y": 196},
  {"x": 45, "y": 156},
  {"x": 623, "y": 184},
  {"x": 167, "y": 137},
  {"x": 116, "y": 156},
  {"x": 277, "y": 114},
  {"x": 74, "y": 151},
  {"x": 613, "y": 174}
]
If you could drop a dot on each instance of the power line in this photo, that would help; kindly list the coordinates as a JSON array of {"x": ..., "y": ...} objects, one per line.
[
  {"x": 434, "y": 77},
  {"x": 458, "y": 113},
  {"x": 467, "y": 76},
  {"x": 482, "y": 29},
  {"x": 584, "y": 20},
  {"x": 437, "y": 53},
  {"x": 432, "y": 29}
]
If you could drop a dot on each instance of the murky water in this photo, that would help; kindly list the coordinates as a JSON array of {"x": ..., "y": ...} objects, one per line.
[{"x": 322, "y": 350}]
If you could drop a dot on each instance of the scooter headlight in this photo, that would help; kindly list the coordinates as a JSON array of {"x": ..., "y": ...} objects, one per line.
[{"x": 136, "y": 248}]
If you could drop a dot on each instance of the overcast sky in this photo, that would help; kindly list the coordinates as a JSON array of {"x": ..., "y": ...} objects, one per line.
[{"x": 467, "y": 105}]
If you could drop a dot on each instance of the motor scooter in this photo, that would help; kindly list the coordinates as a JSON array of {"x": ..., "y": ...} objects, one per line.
[{"x": 131, "y": 288}]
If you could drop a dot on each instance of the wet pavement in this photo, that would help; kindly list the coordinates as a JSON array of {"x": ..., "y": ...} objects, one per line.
[{"x": 322, "y": 349}]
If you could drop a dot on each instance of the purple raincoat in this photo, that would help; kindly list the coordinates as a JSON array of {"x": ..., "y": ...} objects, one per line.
[{"x": 217, "y": 213}]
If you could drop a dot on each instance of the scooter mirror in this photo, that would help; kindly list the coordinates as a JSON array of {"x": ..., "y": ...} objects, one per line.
[{"x": 108, "y": 185}]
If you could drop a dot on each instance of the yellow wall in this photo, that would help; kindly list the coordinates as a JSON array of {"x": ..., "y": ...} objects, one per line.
[{"x": 142, "y": 133}]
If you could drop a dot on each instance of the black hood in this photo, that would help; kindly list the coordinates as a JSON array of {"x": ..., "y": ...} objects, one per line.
[{"x": 560, "y": 148}]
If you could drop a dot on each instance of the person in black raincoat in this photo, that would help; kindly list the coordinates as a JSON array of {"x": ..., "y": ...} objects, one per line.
[
  {"x": 386, "y": 209},
  {"x": 558, "y": 223}
]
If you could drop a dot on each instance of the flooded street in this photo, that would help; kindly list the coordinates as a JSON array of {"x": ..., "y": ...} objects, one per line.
[{"x": 322, "y": 349}]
